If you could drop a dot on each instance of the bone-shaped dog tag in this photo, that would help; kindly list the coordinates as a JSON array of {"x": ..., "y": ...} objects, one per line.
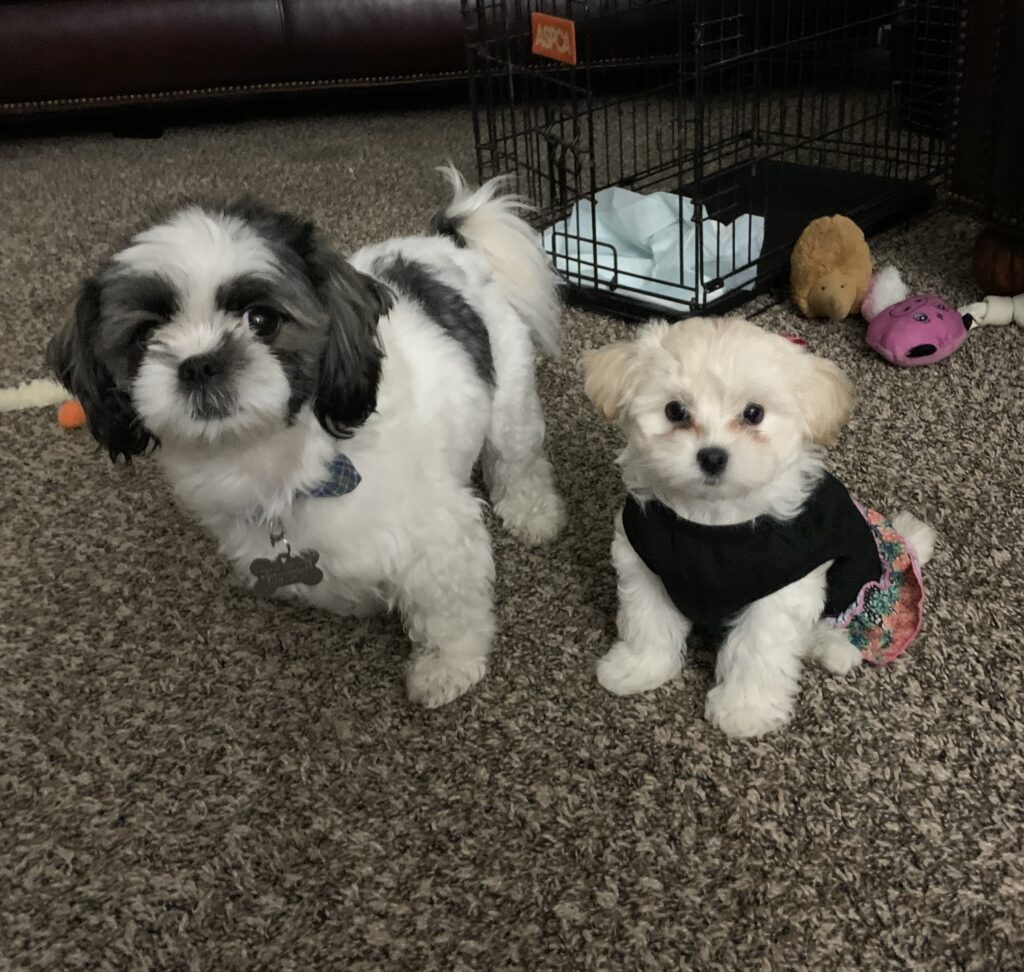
[{"x": 286, "y": 568}]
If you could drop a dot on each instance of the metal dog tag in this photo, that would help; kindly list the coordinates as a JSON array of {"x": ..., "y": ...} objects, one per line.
[{"x": 286, "y": 568}]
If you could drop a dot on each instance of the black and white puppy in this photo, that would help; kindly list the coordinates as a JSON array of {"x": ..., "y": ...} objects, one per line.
[{"x": 322, "y": 417}]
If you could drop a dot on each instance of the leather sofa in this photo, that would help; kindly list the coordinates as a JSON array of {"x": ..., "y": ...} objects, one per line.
[
  {"x": 59, "y": 56},
  {"x": 68, "y": 55}
]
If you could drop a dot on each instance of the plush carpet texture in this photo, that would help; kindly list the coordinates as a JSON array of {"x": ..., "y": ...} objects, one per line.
[{"x": 194, "y": 779}]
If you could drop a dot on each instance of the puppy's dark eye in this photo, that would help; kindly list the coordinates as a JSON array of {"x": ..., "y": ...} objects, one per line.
[
  {"x": 678, "y": 413},
  {"x": 265, "y": 322},
  {"x": 753, "y": 414},
  {"x": 143, "y": 332}
]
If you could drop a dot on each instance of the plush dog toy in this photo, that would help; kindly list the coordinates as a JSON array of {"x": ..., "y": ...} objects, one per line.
[
  {"x": 910, "y": 331},
  {"x": 925, "y": 328},
  {"x": 830, "y": 268}
]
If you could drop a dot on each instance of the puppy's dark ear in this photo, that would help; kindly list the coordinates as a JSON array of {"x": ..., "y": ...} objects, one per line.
[
  {"x": 72, "y": 357},
  {"x": 346, "y": 393}
]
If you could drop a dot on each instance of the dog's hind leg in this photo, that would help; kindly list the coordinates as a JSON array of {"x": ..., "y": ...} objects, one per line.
[
  {"x": 518, "y": 474},
  {"x": 445, "y": 596}
]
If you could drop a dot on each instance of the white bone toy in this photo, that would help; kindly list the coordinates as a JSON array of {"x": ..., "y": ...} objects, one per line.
[{"x": 996, "y": 310}]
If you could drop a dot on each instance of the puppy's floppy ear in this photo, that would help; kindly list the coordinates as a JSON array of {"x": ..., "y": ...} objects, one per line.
[
  {"x": 609, "y": 374},
  {"x": 826, "y": 398},
  {"x": 350, "y": 362},
  {"x": 72, "y": 356}
]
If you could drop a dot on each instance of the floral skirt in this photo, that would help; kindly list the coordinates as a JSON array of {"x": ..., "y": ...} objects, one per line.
[{"x": 886, "y": 616}]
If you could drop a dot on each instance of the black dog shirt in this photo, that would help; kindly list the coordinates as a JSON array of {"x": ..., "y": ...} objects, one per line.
[{"x": 713, "y": 572}]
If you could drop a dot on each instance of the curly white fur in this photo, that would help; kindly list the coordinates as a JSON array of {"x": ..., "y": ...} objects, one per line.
[{"x": 716, "y": 367}]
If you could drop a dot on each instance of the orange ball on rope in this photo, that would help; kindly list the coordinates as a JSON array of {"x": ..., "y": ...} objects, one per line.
[{"x": 71, "y": 415}]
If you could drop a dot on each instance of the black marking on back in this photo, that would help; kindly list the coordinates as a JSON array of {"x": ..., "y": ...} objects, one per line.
[
  {"x": 445, "y": 306},
  {"x": 441, "y": 224}
]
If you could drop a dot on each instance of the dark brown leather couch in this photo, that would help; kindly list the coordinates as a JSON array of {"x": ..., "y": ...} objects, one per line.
[
  {"x": 60, "y": 55},
  {"x": 68, "y": 55}
]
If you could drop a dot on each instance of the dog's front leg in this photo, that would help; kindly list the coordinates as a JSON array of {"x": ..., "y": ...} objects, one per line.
[
  {"x": 652, "y": 632},
  {"x": 758, "y": 669}
]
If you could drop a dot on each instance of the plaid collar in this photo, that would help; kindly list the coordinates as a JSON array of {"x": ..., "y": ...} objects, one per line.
[{"x": 342, "y": 477}]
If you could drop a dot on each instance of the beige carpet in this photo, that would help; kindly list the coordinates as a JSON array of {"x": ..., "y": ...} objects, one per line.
[{"x": 193, "y": 779}]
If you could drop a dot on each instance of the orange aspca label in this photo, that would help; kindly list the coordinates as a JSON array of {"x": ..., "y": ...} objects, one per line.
[{"x": 553, "y": 37}]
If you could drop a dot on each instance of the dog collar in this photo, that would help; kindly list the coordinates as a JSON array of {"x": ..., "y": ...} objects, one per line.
[
  {"x": 342, "y": 477},
  {"x": 301, "y": 568}
]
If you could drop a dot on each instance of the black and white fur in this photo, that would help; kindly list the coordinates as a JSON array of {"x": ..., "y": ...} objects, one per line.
[{"x": 238, "y": 343}]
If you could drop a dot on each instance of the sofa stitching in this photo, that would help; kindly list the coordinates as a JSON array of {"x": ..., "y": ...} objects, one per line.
[{"x": 228, "y": 89}]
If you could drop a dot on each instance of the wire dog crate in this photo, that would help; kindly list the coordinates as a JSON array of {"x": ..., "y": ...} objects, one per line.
[{"x": 675, "y": 149}]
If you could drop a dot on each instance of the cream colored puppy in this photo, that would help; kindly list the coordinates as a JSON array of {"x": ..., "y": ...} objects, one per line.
[{"x": 732, "y": 525}]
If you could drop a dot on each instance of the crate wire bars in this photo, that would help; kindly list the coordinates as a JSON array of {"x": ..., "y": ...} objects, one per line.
[{"x": 746, "y": 114}]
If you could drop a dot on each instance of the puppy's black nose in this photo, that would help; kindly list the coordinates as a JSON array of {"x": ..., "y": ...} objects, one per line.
[
  {"x": 712, "y": 460},
  {"x": 202, "y": 369}
]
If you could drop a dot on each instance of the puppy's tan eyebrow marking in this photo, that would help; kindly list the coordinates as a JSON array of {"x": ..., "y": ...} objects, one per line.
[
  {"x": 738, "y": 425},
  {"x": 693, "y": 426}
]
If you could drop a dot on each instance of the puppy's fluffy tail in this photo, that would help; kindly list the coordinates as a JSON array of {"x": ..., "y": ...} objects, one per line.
[
  {"x": 917, "y": 533},
  {"x": 487, "y": 220}
]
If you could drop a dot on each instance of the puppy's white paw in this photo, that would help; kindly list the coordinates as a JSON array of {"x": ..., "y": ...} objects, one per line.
[
  {"x": 435, "y": 678},
  {"x": 742, "y": 714},
  {"x": 625, "y": 670},
  {"x": 533, "y": 517},
  {"x": 918, "y": 534},
  {"x": 831, "y": 648}
]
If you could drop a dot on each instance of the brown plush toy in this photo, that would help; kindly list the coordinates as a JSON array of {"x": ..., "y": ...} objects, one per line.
[{"x": 830, "y": 268}]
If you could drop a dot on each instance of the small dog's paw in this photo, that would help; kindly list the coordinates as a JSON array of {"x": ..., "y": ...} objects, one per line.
[
  {"x": 435, "y": 679},
  {"x": 921, "y": 537},
  {"x": 738, "y": 714},
  {"x": 534, "y": 518},
  {"x": 831, "y": 648},
  {"x": 624, "y": 670}
]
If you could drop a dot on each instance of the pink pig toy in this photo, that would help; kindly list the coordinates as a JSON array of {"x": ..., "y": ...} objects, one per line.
[{"x": 911, "y": 331}]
